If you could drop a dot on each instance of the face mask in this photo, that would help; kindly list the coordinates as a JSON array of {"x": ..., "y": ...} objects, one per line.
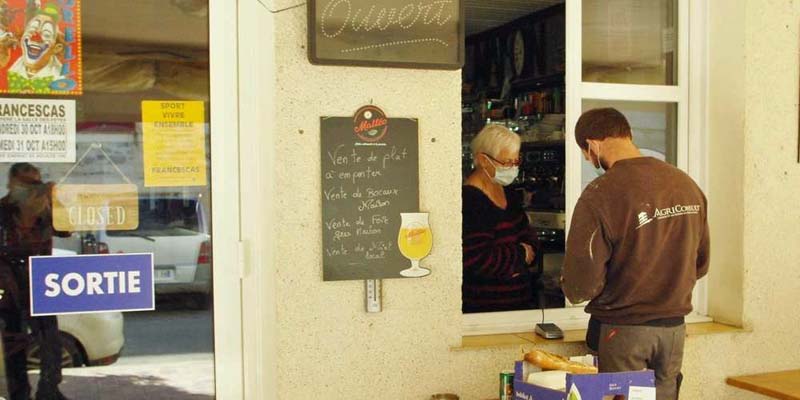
[
  {"x": 598, "y": 167},
  {"x": 503, "y": 176}
]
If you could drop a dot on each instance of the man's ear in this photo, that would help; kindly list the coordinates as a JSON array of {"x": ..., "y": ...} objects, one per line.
[{"x": 58, "y": 48}]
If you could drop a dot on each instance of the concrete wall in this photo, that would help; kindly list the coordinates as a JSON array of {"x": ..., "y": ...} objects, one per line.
[{"x": 329, "y": 348}]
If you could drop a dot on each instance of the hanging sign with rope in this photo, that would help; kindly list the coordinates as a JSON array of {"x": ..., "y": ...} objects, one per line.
[{"x": 109, "y": 207}]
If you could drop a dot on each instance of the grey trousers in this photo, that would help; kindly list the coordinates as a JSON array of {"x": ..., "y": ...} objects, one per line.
[{"x": 634, "y": 348}]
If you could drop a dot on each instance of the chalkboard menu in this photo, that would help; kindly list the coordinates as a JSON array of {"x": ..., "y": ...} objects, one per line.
[
  {"x": 370, "y": 174},
  {"x": 387, "y": 33}
]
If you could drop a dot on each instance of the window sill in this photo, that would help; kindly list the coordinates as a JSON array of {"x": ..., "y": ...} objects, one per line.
[{"x": 573, "y": 336}]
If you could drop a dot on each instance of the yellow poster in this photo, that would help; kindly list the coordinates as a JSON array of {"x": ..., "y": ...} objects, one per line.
[
  {"x": 174, "y": 143},
  {"x": 79, "y": 208}
]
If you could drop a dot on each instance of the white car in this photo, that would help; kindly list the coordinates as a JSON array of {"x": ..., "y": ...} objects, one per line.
[
  {"x": 87, "y": 339},
  {"x": 174, "y": 229}
]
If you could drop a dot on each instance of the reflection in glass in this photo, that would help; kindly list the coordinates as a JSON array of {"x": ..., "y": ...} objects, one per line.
[
  {"x": 654, "y": 127},
  {"x": 630, "y": 41},
  {"x": 135, "y": 51}
]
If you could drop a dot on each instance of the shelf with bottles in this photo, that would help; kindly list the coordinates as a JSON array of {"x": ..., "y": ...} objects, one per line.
[{"x": 540, "y": 101}]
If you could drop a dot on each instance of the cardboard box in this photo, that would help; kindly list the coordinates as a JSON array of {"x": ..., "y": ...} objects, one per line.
[{"x": 639, "y": 385}]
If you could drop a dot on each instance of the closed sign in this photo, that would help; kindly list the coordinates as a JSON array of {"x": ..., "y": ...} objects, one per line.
[{"x": 95, "y": 207}]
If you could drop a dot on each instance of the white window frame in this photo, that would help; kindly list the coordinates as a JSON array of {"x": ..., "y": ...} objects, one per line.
[
  {"x": 228, "y": 364},
  {"x": 689, "y": 94}
]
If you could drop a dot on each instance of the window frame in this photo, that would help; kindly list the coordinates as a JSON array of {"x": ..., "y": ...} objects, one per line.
[
  {"x": 225, "y": 188},
  {"x": 690, "y": 96}
]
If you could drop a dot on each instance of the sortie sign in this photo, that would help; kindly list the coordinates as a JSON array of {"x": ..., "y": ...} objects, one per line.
[
  {"x": 88, "y": 284},
  {"x": 387, "y": 33}
]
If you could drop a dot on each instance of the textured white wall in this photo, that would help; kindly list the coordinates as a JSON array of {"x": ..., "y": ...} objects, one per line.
[
  {"x": 330, "y": 348},
  {"x": 762, "y": 95},
  {"x": 327, "y": 344}
]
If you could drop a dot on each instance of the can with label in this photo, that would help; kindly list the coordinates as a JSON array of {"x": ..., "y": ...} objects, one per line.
[{"x": 507, "y": 385}]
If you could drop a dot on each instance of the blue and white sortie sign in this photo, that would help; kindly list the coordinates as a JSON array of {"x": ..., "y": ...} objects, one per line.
[{"x": 91, "y": 283}]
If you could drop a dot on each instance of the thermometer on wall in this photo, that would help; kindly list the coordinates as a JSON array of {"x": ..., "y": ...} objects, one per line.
[{"x": 373, "y": 290}]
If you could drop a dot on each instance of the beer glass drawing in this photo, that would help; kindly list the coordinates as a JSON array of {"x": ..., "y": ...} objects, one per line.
[{"x": 415, "y": 241}]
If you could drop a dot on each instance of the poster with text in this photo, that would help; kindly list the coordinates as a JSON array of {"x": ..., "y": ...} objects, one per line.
[
  {"x": 174, "y": 143},
  {"x": 40, "y": 47},
  {"x": 37, "y": 130}
]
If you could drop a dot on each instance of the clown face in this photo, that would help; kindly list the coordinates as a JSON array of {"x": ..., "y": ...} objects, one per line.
[{"x": 39, "y": 42}]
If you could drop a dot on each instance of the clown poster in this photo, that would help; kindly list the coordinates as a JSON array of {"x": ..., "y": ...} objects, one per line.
[{"x": 40, "y": 47}]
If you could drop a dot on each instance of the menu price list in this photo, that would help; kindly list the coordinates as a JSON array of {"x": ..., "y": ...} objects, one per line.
[{"x": 365, "y": 187}]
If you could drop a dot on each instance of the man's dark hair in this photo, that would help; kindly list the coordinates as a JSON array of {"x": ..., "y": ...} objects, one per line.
[
  {"x": 600, "y": 124},
  {"x": 21, "y": 168}
]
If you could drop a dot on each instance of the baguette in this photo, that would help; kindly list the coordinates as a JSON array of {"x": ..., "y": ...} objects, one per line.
[{"x": 549, "y": 361}]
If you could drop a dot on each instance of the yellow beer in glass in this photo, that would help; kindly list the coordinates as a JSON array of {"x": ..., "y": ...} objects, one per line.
[{"x": 415, "y": 241}]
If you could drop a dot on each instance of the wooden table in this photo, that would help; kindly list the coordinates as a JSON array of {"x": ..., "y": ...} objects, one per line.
[{"x": 779, "y": 385}]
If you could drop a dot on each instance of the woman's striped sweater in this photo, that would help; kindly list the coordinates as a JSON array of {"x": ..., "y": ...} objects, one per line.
[{"x": 496, "y": 277}]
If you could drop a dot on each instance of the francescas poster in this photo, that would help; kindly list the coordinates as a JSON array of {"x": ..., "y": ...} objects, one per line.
[{"x": 40, "y": 47}]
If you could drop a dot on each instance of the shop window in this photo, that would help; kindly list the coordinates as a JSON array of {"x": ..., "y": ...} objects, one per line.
[
  {"x": 514, "y": 76},
  {"x": 630, "y": 41},
  {"x": 535, "y": 71}
]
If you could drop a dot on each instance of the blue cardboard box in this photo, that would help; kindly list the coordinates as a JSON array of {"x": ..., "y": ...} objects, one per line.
[{"x": 640, "y": 385}]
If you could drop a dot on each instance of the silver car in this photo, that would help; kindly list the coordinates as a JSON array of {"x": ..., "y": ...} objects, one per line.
[{"x": 176, "y": 230}]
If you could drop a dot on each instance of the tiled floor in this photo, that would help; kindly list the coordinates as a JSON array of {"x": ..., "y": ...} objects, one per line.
[{"x": 176, "y": 377}]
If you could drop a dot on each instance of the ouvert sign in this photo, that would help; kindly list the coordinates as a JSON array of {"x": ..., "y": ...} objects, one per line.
[{"x": 387, "y": 33}]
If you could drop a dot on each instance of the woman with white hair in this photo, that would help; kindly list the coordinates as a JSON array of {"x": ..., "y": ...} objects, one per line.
[{"x": 497, "y": 240}]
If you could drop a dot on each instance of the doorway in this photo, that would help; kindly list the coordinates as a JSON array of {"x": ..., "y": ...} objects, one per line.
[{"x": 135, "y": 55}]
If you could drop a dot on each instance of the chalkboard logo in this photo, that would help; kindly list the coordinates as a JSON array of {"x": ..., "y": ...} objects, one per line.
[{"x": 370, "y": 124}]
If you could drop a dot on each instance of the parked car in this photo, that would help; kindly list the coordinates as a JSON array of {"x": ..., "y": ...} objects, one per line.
[
  {"x": 87, "y": 339},
  {"x": 174, "y": 229}
]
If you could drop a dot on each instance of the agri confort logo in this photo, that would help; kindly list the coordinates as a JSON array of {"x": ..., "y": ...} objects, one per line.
[
  {"x": 670, "y": 212},
  {"x": 370, "y": 124}
]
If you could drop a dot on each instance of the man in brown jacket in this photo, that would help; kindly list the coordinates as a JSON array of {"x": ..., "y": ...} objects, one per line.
[{"x": 637, "y": 244}]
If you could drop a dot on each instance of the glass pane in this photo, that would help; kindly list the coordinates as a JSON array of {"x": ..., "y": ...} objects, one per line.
[
  {"x": 654, "y": 127},
  {"x": 132, "y": 52},
  {"x": 630, "y": 41}
]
